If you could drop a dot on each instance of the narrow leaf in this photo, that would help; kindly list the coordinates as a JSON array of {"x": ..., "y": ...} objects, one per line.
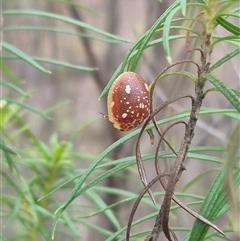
[
  {"x": 56, "y": 62},
  {"x": 183, "y": 4},
  {"x": 226, "y": 91},
  {"x": 138, "y": 48},
  {"x": 14, "y": 87},
  {"x": 232, "y": 28},
  {"x": 8, "y": 72},
  {"x": 27, "y": 107},
  {"x": 23, "y": 56},
  {"x": 61, "y": 31},
  {"x": 225, "y": 59},
  {"x": 7, "y": 148},
  {"x": 212, "y": 206},
  {"x": 35, "y": 13},
  {"x": 152, "y": 31},
  {"x": 166, "y": 30}
]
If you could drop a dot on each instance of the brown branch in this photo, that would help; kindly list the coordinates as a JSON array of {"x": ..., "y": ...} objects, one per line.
[
  {"x": 175, "y": 199},
  {"x": 189, "y": 133},
  {"x": 137, "y": 202}
]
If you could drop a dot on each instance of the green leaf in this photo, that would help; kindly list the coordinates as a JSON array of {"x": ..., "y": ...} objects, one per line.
[
  {"x": 102, "y": 205},
  {"x": 226, "y": 58},
  {"x": 8, "y": 72},
  {"x": 232, "y": 28},
  {"x": 7, "y": 148},
  {"x": 15, "y": 88},
  {"x": 231, "y": 158},
  {"x": 183, "y": 4},
  {"x": 26, "y": 126},
  {"x": 225, "y": 90},
  {"x": 97, "y": 229},
  {"x": 151, "y": 32},
  {"x": 79, "y": 188},
  {"x": 7, "y": 151},
  {"x": 138, "y": 48},
  {"x": 79, "y": 5},
  {"x": 62, "y": 31},
  {"x": 197, "y": 178},
  {"x": 27, "y": 107},
  {"x": 166, "y": 30},
  {"x": 117, "y": 72},
  {"x": 24, "y": 56},
  {"x": 212, "y": 206},
  {"x": 35, "y": 13},
  {"x": 56, "y": 62},
  {"x": 13, "y": 183}
]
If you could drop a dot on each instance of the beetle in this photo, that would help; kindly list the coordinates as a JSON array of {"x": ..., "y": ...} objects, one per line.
[{"x": 128, "y": 101}]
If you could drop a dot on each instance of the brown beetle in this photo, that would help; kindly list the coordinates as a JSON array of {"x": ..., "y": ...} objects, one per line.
[{"x": 128, "y": 101}]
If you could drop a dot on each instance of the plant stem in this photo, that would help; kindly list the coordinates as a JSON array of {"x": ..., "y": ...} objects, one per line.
[
  {"x": 189, "y": 132},
  {"x": 211, "y": 14},
  {"x": 162, "y": 218}
]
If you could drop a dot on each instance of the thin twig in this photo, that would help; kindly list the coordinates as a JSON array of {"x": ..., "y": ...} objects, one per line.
[
  {"x": 135, "y": 206},
  {"x": 139, "y": 162}
]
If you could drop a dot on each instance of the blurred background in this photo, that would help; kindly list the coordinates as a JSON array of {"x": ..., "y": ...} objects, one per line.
[{"x": 81, "y": 116}]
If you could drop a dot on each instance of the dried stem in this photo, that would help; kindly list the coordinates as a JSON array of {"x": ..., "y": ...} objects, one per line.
[
  {"x": 151, "y": 89},
  {"x": 135, "y": 206},
  {"x": 162, "y": 219},
  {"x": 189, "y": 133},
  {"x": 140, "y": 165},
  {"x": 175, "y": 199}
]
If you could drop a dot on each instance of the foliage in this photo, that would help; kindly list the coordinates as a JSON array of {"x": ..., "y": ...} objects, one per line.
[{"x": 35, "y": 174}]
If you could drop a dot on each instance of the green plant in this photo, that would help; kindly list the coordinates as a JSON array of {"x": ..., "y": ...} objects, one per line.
[
  {"x": 36, "y": 174},
  {"x": 210, "y": 208}
]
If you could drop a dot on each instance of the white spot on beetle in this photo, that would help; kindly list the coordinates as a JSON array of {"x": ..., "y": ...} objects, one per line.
[
  {"x": 141, "y": 105},
  {"x": 146, "y": 86},
  {"x": 124, "y": 115},
  {"x": 112, "y": 104},
  {"x": 128, "y": 89}
]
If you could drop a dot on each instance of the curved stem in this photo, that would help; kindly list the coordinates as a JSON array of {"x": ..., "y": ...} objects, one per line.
[
  {"x": 140, "y": 166},
  {"x": 135, "y": 206}
]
